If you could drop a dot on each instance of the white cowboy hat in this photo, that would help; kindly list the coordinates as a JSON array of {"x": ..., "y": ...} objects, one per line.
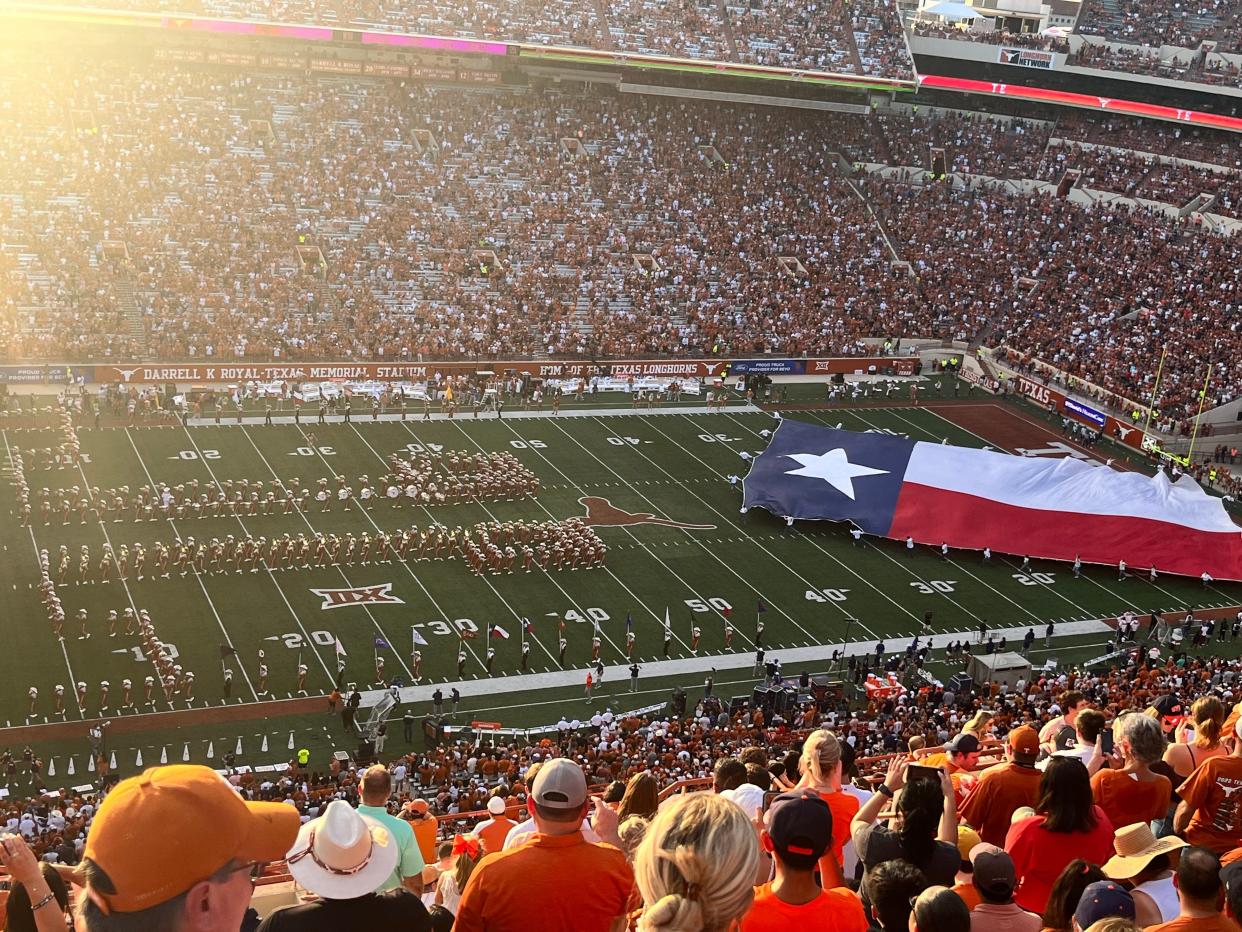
[{"x": 342, "y": 854}]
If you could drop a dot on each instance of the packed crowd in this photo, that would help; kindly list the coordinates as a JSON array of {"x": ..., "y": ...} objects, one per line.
[
  {"x": 863, "y": 36},
  {"x": 1154, "y": 23},
  {"x": 1021, "y": 40},
  {"x": 1051, "y": 803},
  {"x": 496, "y": 240},
  {"x": 1134, "y": 59}
]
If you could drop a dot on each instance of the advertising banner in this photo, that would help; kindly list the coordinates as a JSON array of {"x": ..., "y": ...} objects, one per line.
[
  {"x": 1077, "y": 408},
  {"x": 1048, "y": 397},
  {"x": 37, "y": 373},
  {"x": 768, "y": 366},
  {"x": 1026, "y": 58}
]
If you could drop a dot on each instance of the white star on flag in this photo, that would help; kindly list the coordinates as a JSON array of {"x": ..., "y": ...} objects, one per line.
[{"x": 833, "y": 467}]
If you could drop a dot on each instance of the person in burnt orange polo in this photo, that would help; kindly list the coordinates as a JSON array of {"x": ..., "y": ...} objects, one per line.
[{"x": 556, "y": 881}]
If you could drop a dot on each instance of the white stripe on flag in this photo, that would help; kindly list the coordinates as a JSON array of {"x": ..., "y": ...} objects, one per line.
[{"x": 1066, "y": 484}]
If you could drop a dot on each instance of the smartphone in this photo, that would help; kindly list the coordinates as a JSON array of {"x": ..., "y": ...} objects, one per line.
[
  {"x": 1106, "y": 741},
  {"x": 917, "y": 773}
]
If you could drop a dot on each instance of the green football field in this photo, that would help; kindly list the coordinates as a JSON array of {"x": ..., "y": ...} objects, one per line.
[{"x": 817, "y": 587}]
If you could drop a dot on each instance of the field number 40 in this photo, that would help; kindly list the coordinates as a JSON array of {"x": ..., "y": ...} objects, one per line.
[{"x": 826, "y": 595}]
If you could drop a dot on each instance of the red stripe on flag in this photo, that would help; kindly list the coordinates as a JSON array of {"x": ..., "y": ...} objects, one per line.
[{"x": 934, "y": 516}]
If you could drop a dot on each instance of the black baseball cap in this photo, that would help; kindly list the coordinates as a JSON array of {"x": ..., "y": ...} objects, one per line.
[
  {"x": 965, "y": 743},
  {"x": 800, "y": 826}
]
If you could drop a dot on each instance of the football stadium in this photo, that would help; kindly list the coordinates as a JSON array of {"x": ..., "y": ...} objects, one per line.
[{"x": 782, "y": 451}]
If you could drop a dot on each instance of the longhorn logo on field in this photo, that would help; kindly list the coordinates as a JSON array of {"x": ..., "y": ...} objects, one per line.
[
  {"x": 336, "y": 598},
  {"x": 602, "y": 513}
]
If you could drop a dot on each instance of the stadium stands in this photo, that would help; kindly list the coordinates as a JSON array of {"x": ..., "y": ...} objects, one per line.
[
  {"x": 684, "y": 755},
  {"x": 435, "y": 222}
]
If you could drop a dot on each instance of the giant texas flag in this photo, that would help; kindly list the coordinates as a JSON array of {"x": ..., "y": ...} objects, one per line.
[{"x": 1052, "y": 508}]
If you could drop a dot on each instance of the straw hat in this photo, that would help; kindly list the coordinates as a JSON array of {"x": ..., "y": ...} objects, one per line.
[{"x": 1136, "y": 846}]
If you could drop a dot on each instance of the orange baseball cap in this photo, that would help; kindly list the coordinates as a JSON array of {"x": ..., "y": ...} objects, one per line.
[
  {"x": 159, "y": 834},
  {"x": 1025, "y": 743}
]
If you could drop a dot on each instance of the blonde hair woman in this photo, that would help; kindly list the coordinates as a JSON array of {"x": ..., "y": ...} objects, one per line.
[
  {"x": 1207, "y": 716},
  {"x": 696, "y": 866},
  {"x": 821, "y": 771},
  {"x": 979, "y": 724}
]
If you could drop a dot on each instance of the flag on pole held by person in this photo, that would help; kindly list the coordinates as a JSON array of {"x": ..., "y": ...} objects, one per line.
[
  {"x": 227, "y": 650},
  {"x": 497, "y": 631},
  {"x": 761, "y": 608},
  {"x": 418, "y": 638},
  {"x": 629, "y": 621},
  {"x": 381, "y": 644},
  {"x": 528, "y": 626},
  {"x": 340, "y": 648},
  {"x": 668, "y": 624}
]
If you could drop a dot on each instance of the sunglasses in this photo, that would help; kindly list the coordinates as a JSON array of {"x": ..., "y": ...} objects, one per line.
[{"x": 254, "y": 868}]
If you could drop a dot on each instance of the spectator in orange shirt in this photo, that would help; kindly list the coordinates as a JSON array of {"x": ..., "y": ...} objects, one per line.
[
  {"x": 697, "y": 865},
  {"x": 1133, "y": 793},
  {"x": 493, "y": 831},
  {"x": 821, "y": 771},
  {"x": 1210, "y": 814},
  {"x": 960, "y": 757},
  {"x": 1005, "y": 788},
  {"x": 798, "y": 830},
  {"x": 418, "y": 813},
  {"x": 557, "y": 881}
]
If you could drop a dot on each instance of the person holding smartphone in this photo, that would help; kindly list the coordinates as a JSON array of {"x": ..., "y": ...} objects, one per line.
[
  {"x": 924, "y": 826},
  {"x": 1132, "y": 791}
]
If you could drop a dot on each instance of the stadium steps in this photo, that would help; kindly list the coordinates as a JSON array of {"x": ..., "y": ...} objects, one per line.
[
  {"x": 605, "y": 28},
  {"x": 851, "y": 41},
  {"x": 127, "y": 304},
  {"x": 727, "y": 21}
]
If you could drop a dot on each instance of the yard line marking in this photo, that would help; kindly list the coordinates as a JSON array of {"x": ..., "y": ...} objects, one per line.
[
  {"x": 461, "y": 642},
  {"x": 638, "y": 542},
  {"x": 822, "y": 550},
  {"x": 173, "y": 526},
  {"x": 302, "y": 514},
  {"x": 33, "y": 543},
  {"x": 691, "y": 537},
  {"x": 977, "y": 579},
  {"x": 997, "y": 446},
  {"x": 572, "y": 601},
  {"x": 310, "y": 642},
  {"x": 490, "y": 584}
]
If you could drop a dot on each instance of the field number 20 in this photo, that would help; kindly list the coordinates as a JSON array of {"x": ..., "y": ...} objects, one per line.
[
  {"x": 932, "y": 586},
  {"x": 1035, "y": 579}
]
